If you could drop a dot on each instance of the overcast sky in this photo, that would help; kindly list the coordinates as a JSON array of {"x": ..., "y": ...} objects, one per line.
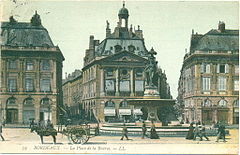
[{"x": 167, "y": 26}]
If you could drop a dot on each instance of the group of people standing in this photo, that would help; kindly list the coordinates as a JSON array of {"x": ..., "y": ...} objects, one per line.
[
  {"x": 200, "y": 131},
  {"x": 153, "y": 132}
]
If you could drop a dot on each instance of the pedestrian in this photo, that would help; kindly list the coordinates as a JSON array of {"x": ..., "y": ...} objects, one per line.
[
  {"x": 153, "y": 132},
  {"x": 221, "y": 133},
  {"x": 197, "y": 132},
  {"x": 1, "y": 132},
  {"x": 190, "y": 134},
  {"x": 124, "y": 132},
  {"x": 32, "y": 123},
  {"x": 203, "y": 132},
  {"x": 144, "y": 130}
]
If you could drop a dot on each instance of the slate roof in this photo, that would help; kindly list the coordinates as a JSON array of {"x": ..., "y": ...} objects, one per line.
[
  {"x": 215, "y": 40},
  {"x": 25, "y": 34}
]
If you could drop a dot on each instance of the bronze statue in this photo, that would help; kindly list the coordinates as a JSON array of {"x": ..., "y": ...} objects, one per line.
[{"x": 151, "y": 68}]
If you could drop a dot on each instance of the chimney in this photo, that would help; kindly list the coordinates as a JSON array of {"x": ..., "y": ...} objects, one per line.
[
  {"x": 108, "y": 30},
  {"x": 139, "y": 33},
  {"x": 221, "y": 26},
  {"x": 91, "y": 42}
]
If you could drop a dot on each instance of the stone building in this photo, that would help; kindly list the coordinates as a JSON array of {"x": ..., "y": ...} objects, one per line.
[
  {"x": 114, "y": 72},
  {"x": 31, "y": 72},
  {"x": 72, "y": 94},
  {"x": 209, "y": 81}
]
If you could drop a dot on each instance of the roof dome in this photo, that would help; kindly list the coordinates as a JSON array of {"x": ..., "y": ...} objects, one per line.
[{"x": 123, "y": 12}]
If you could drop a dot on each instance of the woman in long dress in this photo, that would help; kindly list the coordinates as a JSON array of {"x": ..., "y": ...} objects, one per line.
[
  {"x": 153, "y": 132},
  {"x": 190, "y": 134}
]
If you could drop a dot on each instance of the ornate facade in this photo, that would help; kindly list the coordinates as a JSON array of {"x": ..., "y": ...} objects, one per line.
[
  {"x": 209, "y": 81},
  {"x": 31, "y": 72},
  {"x": 72, "y": 94},
  {"x": 114, "y": 71}
]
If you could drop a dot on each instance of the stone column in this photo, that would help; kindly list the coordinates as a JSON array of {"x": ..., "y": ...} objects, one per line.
[
  {"x": 215, "y": 115},
  {"x": 132, "y": 82},
  {"x": 21, "y": 75},
  {"x": 102, "y": 88},
  {"x": 20, "y": 112},
  {"x": 198, "y": 79},
  {"x": 37, "y": 109},
  {"x": 54, "y": 111},
  {"x": 37, "y": 82},
  {"x": 117, "y": 82},
  {"x": 230, "y": 81},
  {"x": 54, "y": 71}
]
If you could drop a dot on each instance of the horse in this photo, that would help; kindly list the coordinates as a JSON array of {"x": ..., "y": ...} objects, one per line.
[{"x": 45, "y": 132}]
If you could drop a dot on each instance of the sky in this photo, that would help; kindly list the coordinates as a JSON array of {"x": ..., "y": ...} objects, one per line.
[{"x": 166, "y": 25}]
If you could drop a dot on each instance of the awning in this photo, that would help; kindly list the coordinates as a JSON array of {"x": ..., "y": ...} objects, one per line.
[
  {"x": 137, "y": 112},
  {"x": 125, "y": 112},
  {"x": 109, "y": 112}
]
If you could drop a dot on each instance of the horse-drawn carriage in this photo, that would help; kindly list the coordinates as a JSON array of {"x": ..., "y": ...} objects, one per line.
[{"x": 77, "y": 134}]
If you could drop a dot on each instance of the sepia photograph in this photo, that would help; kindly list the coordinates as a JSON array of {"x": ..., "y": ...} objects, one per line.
[{"x": 119, "y": 77}]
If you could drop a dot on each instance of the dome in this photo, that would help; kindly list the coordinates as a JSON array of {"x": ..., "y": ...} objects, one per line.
[{"x": 123, "y": 12}]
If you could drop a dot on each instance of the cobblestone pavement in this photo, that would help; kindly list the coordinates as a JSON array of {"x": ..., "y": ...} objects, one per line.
[{"x": 22, "y": 141}]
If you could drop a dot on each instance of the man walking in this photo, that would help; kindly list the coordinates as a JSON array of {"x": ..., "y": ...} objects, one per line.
[
  {"x": 203, "y": 132},
  {"x": 144, "y": 130},
  {"x": 197, "y": 132},
  {"x": 124, "y": 132},
  {"x": 1, "y": 132},
  {"x": 221, "y": 133}
]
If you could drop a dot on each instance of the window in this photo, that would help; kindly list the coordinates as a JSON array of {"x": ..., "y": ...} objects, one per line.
[
  {"x": 109, "y": 72},
  {"x": 123, "y": 104},
  {"x": 131, "y": 48},
  {"x": 207, "y": 103},
  {"x": 206, "y": 83},
  {"x": 45, "y": 101},
  {"x": 139, "y": 85},
  {"x": 12, "y": 85},
  {"x": 45, "y": 85},
  {"x": 12, "y": 64},
  {"x": 29, "y": 85},
  {"x": 222, "y": 103},
  {"x": 236, "y": 85},
  {"x": 205, "y": 68},
  {"x": 28, "y": 101},
  {"x": 236, "y": 69},
  {"x": 124, "y": 86},
  {"x": 221, "y": 83},
  {"x": 222, "y": 68},
  {"x": 45, "y": 65},
  {"x": 139, "y": 73},
  {"x": 109, "y": 85},
  {"x": 11, "y": 100},
  {"x": 109, "y": 103},
  {"x": 236, "y": 103},
  {"x": 29, "y": 65},
  {"x": 118, "y": 48}
]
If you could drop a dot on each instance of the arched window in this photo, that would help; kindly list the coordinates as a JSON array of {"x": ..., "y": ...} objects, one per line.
[
  {"x": 45, "y": 101},
  {"x": 11, "y": 100},
  {"x": 222, "y": 103},
  {"x": 236, "y": 103},
  {"x": 110, "y": 103},
  {"x": 207, "y": 103},
  {"x": 123, "y": 103},
  {"x": 28, "y": 101}
]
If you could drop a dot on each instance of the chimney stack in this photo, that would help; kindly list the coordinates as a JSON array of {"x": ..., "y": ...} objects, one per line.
[{"x": 221, "y": 26}]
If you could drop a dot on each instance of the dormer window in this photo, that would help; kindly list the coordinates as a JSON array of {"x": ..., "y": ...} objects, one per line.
[
  {"x": 118, "y": 48},
  {"x": 131, "y": 48}
]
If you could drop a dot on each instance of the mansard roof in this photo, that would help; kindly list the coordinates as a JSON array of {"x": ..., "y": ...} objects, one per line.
[
  {"x": 104, "y": 48},
  {"x": 25, "y": 34},
  {"x": 215, "y": 40}
]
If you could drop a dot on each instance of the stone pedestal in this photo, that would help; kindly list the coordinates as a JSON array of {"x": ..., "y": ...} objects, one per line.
[{"x": 151, "y": 92}]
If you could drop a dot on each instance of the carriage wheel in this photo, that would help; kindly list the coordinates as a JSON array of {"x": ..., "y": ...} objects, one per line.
[{"x": 79, "y": 137}]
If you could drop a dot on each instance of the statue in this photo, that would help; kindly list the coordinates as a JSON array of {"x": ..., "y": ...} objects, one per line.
[
  {"x": 36, "y": 20},
  {"x": 151, "y": 68}
]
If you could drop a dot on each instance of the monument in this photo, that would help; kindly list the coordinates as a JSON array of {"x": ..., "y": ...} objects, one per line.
[{"x": 151, "y": 99}]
